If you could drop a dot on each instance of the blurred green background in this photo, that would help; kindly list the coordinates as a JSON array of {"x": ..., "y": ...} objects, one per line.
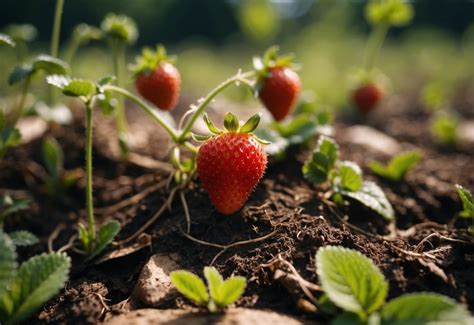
[{"x": 213, "y": 38}]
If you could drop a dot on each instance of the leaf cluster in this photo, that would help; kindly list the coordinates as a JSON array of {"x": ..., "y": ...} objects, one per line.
[
  {"x": 345, "y": 178},
  {"x": 355, "y": 284},
  {"x": 219, "y": 292}
]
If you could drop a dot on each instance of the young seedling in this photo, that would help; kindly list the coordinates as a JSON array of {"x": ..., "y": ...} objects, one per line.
[
  {"x": 219, "y": 294},
  {"x": 444, "y": 128},
  {"x": 93, "y": 242},
  {"x": 81, "y": 35},
  {"x": 278, "y": 85},
  {"x": 344, "y": 178},
  {"x": 156, "y": 78},
  {"x": 59, "y": 180},
  {"x": 119, "y": 31},
  {"x": 357, "y": 286},
  {"x": 467, "y": 204},
  {"x": 24, "y": 289},
  {"x": 398, "y": 166},
  {"x": 381, "y": 14}
]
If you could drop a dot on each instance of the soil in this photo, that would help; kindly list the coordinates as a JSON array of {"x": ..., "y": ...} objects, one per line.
[{"x": 291, "y": 216}]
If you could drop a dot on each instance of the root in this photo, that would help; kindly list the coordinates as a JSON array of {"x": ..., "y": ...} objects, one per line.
[
  {"x": 55, "y": 235},
  {"x": 186, "y": 211},
  {"x": 69, "y": 244}
]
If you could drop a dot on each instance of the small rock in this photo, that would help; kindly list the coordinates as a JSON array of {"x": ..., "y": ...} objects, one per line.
[
  {"x": 31, "y": 128},
  {"x": 466, "y": 131},
  {"x": 154, "y": 285},
  {"x": 237, "y": 316},
  {"x": 372, "y": 139}
]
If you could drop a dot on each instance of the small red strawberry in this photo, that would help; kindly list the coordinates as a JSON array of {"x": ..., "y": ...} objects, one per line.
[
  {"x": 367, "y": 97},
  {"x": 157, "y": 79},
  {"x": 230, "y": 164},
  {"x": 278, "y": 85}
]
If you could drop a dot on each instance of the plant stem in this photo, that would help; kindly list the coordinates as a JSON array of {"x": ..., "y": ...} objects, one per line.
[
  {"x": 203, "y": 104},
  {"x": 118, "y": 53},
  {"x": 57, "y": 28},
  {"x": 89, "y": 198},
  {"x": 21, "y": 103},
  {"x": 71, "y": 51},
  {"x": 146, "y": 108},
  {"x": 374, "y": 45}
]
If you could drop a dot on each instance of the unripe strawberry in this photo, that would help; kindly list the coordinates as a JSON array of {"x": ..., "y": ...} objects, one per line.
[
  {"x": 157, "y": 80},
  {"x": 230, "y": 165},
  {"x": 278, "y": 85},
  {"x": 280, "y": 91},
  {"x": 367, "y": 97}
]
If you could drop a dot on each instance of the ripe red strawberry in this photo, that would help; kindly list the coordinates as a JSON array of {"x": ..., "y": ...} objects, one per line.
[
  {"x": 280, "y": 91},
  {"x": 230, "y": 165},
  {"x": 367, "y": 97},
  {"x": 157, "y": 80}
]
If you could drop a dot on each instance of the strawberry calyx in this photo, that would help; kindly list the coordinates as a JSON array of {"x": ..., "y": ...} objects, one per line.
[
  {"x": 271, "y": 59},
  {"x": 150, "y": 59},
  {"x": 231, "y": 124}
]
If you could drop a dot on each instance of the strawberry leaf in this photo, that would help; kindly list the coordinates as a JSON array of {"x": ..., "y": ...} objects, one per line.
[
  {"x": 6, "y": 40},
  {"x": 50, "y": 65},
  {"x": 317, "y": 168},
  {"x": 231, "y": 123},
  {"x": 372, "y": 196},
  {"x": 8, "y": 264},
  {"x": 105, "y": 236},
  {"x": 467, "y": 202},
  {"x": 53, "y": 157},
  {"x": 79, "y": 87},
  {"x": 214, "y": 281},
  {"x": 9, "y": 206},
  {"x": 23, "y": 238},
  {"x": 190, "y": 286},
  {"x": 230, "y": 290},
  {"x": 350, "y": 176},
  {"x": 398, "y": 166},
  {"x": 424, "y": 308},
  {"x": 351, "y": 280}
]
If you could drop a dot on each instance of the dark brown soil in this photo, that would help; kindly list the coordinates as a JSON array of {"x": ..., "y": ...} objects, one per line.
[{"x": 283, "y": 205}]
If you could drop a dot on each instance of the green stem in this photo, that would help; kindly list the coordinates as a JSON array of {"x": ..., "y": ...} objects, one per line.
[
  {"x": 89, "y": 198},
  {"x": 118, "y": 53},
  {"x": 21, "y": 104},
  {"x": 148, "y": 109},
  {"x": 71, "y": 51},
  {"x": 374, "y": 45},
  {"x": 203, "y": 104},
  {"x": 57, "y": 28}
]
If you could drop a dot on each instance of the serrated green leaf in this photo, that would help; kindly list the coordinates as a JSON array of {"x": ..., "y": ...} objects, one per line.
[
  {"x": 231, "y": 123},
  {"x": 8, "y": 264},
  {"x": 19, "y": 73},
  {"x": 9, "y": 206},
  {"x": 317, "y": 168},
  {"x": 398, "y": 166},
  {"x": 105, "y": 236},
  {"x": 467, "y": 202},
  {"x": 351, "y": 280},
  {"x": 190, "y": 286},
  {"x": 79, "y": 87},
  {"x": 53, "y": 157},
  {"x": 50, "y": 65},
  {"x": 230, "y": 290},
  {"x": 211, "y": 125},
  {"x": 6, "y": 40},
  {"x": 424, "y": 308},
  {"x": 350, "y": 176},
  {"x": 251, "y": 124},
  {"x": 23, "y": 238},
  {"x": 372, "y": 196},
  {"x": 38, "y": 279},
  {"x": 214, "y": 281}
]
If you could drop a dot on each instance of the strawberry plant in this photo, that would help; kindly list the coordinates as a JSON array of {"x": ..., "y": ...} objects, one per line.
[
  {"x": 444, "y": 128},
  {"x": 219, "y": 294},
  {"x": 25, "y": 288},
  {"x": 81, "y": 35},
  {"x": 368, "y": 83},
  {"x": 467, "y": 204},
  {"x": 397, "y": 167},
  {"x": 344, "y": 178},
  {"x": 357, "y": 286}
]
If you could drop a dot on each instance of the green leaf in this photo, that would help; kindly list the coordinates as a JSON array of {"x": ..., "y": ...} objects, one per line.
[
  {"x": 190, "y": 286},
  {"x": 372, "y": 196},
  {"x": 211, "y": 125},
  {"x": 9, "y": 206},
  {"x": 38, "y": 279},
  {"x": 424, "y": 308},
  {"x": 351, "y": 280},
  {"x": 22, "y": 32},
  {"x": 231, "y": 123},
  {"x": 53, "y": 157},
  {"x": 19, "y": 73},
  {"x": 350, "y": 176},
  {"x": 251, "y": 124},
  {"x": 79, "y": 87},
  {"x": 214, "y": 281},
  {"x": 50, "y": 65},
  {"x": 105, "y": 236},
  {"x": 390, "y": 12},
  {"x": 6, "y": 40},
  {"x": 317, "y": 168},
  {"x": 106, "y": 80},
  {"x": 467, "y": 202},
  {"x": 398, "y": 166},
  {"x": 8, "y": 264},
  {"x": 230, "y": 290},
  {"x": 58, "y": 81},
  {"x": 9, "y": 137},
  {"x": 23, "y": 238},
  {"x": 277, "y": 145},
  {"x": 444, "y": 128}
]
